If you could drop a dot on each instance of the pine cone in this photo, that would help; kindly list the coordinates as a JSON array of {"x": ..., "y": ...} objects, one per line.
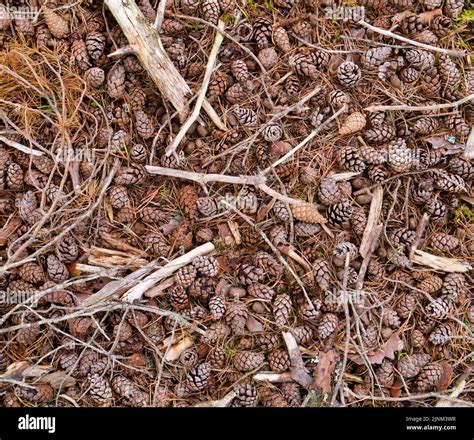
[
  {"x": 430, "y": 284},
  {"x": 261, "y": 291},
  {"x": 262, "y": 31},
  {"x": 236, "y": 317},
  {"x": 329, "y": 192},
  {"x": 178, "y": 298},
  {"x": 338, "y": 98},
  {"x": 118, "y": 196},
  {"x": 322, "y": 274},
  {"x": 303, "y": 65},
  {"x": 95, "y": 77},
  {"x": 281, "y": 211},
  {"x": 453, "y": 285},
  {"x": 217, "y": 307},
  {"x": 436, "y": 209},
  {"x": 246, "y": 395},
  {"x": 417, "y": 338},
  {"x": 211, "y": 11},
  {"x": 247, "y": 361},
  {"x": 422, "y": 191},
  {"x": 429, "y": 377},
  {"x": 444, "y": 242},
  {"x": 236, "y": 94},
  {"x": 350, "y": 159},
  {"x": 217, "y": 358},
  {"x": 100, "y": 389},
  {"x": 279, "y": 360},
  {"x": 41, "y": 393},
  {"x": 340, "y": 212},
  {"x": 462, "y": 168},
  {"x": 442, "y": 334},
  {"x": 440, "y": 308},
  {"x": 152, "y": 215},
  {"x": 406, "y": 306},
  {"x": 15, "y": 176},
  {"x": 268, "y": 341},
  {"x": 144, "y": 124},
  {"x": 267, "y": 263},
  {"x": 268, "y": 57},
  {"x": 79, "y": 55},
  {"x": 57, "y": 271},
  {"x": 272, "y": 132},
  {"x": 291, "y": 392},
  {"x": 156, "y": 244},
  {"x": 349, "y": 74},
  {"x": 380, "y": 134},
  {"x": 202, "y": 288},
  {"x": 328, "y": 325},
  {"x": 27, "y": 206},
  {"x": 358, "y": 221},
  {"x": 409, "y": 75},
  {"x": 116, "y": 81},
  {"x": 376, "y": 56},
  {"x": 448, "y": 71},
  {"x": 57, "y": 25},
  {"x": 385, "y": 373},
  {"x": 207, "y": 206},
  {"x": 281, "y": 39},
  {"x": 307, "y": 212},
  {"x": 390, "y": 318},
  {"x": 206, "y": 265},
  {"x": 449, "y": 182},
  {"x": 355, "y": 122},
  {"x": 430, "y": 83},
  {"x": 240, "y": 71},
  {"x": 453, "y": 8},
  {"x": 346, "y": 248},
  {"x": 31, "y": 273},
  {"x": 185, "y": 276},
  {"x": 129, "y": 391},
  {"x": 282, "y": 309},
  {"x": 402, "y": 236},
  {"x": 246, "y": 116},
  {"x": 411, "y": 24},
  {"x": 247, "y": 274},
  {"x": 376, "y": 271},
  {"x": 456, "y": 123},
  {"x": 400, "y": 158},
  {"x": 272, "y": 399},
  {"x": 410, "y": 365},
  {"x": 303, "y": 334}
]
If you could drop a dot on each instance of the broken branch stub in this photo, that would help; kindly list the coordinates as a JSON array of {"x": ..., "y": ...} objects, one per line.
[{"x": 147, "y": 47}]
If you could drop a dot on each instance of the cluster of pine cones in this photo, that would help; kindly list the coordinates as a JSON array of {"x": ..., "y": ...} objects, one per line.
[{"x": 242, "y": 297}]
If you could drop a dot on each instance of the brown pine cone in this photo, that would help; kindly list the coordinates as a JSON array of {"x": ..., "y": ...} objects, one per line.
[
  {"x": 425, "y": 125},
  {"x": 411, "y": 24},
  {"x": 27, "y": 336},
  {"x": 340, "y": 213},
  {"x": 57, "y": 270},
  {"x": 402, "y": 236},
  {"x": 15, "y": 177},
  {"x": 462, "y": 168},
  {"x": 185, "y": 276},
  {"x": 79, "y": 55},
  {"x": 303, "y": 229},
  {"x": 272, "y": 398},
  {"x": 350, "y": 159},
  {"x": 258, "y": 290},
  {"x": 262, "y": 31},
  {"x": 346, "y": 248},
  {"x": 349, "y": 74},
  {"x": 211, "y": 11},
  {"x": 156, "y": 244},
  {"x": 328, "y": 325},
  {"x": 375, "y": 56},
  {"x": 303, "y": 334},
  {"x": 236, "y": 94},
  {"x": 436, "y": 209},
  {"x": 272, "y": 132},
  {"x": 417, "y": 338},
  {"x": 3, "y": 361},
  {"x": 442, "y": 334},
  {"x": 118, "y": 196},
  {"x": 380, "y": 134},
  {"x": 217, "y": 358},
  {"x": 308, "y": 213},
  {"x": 268, "y": 341},
  {"x": 100, "y": 390},
  {"x": 453, "y": 8},
  {"x": 449, "y": 182},
  {"x": 246, "y": 116},
  {"x": 282, "y": 308},
  {"x": 116, "y": 81},
  {"x": 448, "y": 71},
  {"x": 267, "y": 263},
  {"x": 409, "y": 75},
  {"x": 247, "y": 274},
  {"x": 407, "y": 305},
  {"x": 385, "y": 373},
  {"x": 322, "y": 274},
  {"x": 410, "y": 365},
  {"x": 206, "y": 265},
  {"x": 236, "y": 317},
  {"x": 217, "y": 86},
  {"x": 217, "y": 307},
  {"x": 359, "y": 221},
  {"x": 144, "y": 124},
  {"x": 281, "y": 211},
  {"x": 370, "y": 337},
  {"x": 390, "y": 318},
  {"x": 430, "y": 83},
  {"x": 279, "y": 360},
  {"x": 400, "y": 158},
  {"x": 281, "y": 39},
  {"x": 247, "y": 360},
  {"x": 456, "y": 123},
  {"x": 440, "y": 25},
  {"x": 372, "y": 156},
  {"x": 120, "y": 140},
  {"x": 354, "y": 122},
  {"x": 440, "y": 308},
  {"x": 430, "y": 284},
  {"x": 207, "y": 206},
  {"x": 426, "y": 325},
  {"x": 202, "y": 288},
  {"x": 152, "y": 215},
  {"x": 138, "y": 153},
  {"x": 57, "y": 25},
  {"x": 129, "y": 391},
  {"x": 304, "y": 66},
  {"x": 453, "y": 285},
  {"x": 376, "y": 271},
  {"x": 240, "y": 71},
  {"x": 310, "y": 311},
  {"x": 95, "y": 44},
  {"x": 246, "y": 395},
  {"x": 429, "y": 377},
  {"x": 444, "y": 242},
  {"x": 41, "y": 393},
  {"x": 31, "y": 273},
  {"x": 178, "y": 298}
]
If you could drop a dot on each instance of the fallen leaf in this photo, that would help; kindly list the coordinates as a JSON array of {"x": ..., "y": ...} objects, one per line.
[
  {"x": 253, "y": 325},
  {"x": 446, "y": 376},
  {"x": 226, "y": 234},
  {"x": 324, "y": 371},
  {"x": 386, "y": 351},
  {"x": 440, "y": 142},
  {"x": 58, "y": 379},
  {"x": 396, "y": 388},
  {"x": 223, "y": 263},
  {"x": 175, "y": 350},
  {"x": 264, "y": 210}
]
